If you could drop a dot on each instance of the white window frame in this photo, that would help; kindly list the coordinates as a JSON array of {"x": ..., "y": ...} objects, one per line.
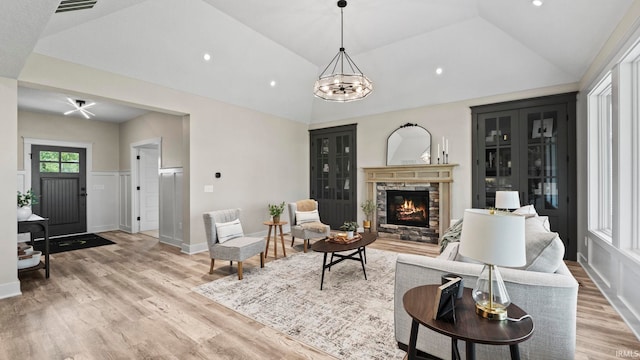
[{"x": 600, "y": 163}]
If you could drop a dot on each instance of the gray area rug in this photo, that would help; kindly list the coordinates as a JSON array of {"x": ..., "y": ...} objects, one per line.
[{"x": 351, "y": 318}]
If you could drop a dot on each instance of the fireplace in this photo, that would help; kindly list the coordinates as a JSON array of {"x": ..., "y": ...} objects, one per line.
[{"x": 409, "y": 208}]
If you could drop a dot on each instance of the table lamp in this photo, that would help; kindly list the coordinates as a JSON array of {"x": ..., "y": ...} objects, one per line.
[
  {"x": 507, "y": 200},
  {"x": 496, "y": 239}
]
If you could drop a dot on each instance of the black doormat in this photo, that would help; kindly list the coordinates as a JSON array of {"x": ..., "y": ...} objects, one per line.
[{"x": 75, "y": 242}]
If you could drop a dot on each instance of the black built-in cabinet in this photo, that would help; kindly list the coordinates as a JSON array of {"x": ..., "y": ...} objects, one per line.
[
  {"x": 333, "y": 173},
  {"x": 529, "y": 146}
]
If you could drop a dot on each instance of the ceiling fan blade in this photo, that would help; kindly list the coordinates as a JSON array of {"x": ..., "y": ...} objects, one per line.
[
  {"x": 73, "y": 103},
  {"x": 86, "y": 113},
  {"x": 88, "y": 105},
  {"x": 71, "y": 111}
]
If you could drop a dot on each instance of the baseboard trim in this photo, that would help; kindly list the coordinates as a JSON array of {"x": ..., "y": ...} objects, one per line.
[
  {"x": 170, "y": 241},
  {"x": 103, "y": 228},
  {"x": 191, "y": 249},
  {"x": 10, "y": 289}
]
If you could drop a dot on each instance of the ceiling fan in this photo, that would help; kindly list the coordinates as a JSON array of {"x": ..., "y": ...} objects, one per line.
[{"x": 80, "y": 107}]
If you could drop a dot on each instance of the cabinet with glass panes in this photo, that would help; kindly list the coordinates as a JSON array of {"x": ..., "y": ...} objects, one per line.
[{"x": 529, "y": 146}]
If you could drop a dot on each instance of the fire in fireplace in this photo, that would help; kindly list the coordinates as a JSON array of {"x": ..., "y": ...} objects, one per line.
[{"x": 408, "y": 208}]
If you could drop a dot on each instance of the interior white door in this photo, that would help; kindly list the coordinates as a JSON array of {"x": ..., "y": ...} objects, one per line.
[{"x": 149, "y": 180}]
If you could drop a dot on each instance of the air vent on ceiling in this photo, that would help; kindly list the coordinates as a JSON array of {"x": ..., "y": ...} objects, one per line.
[{"x": 73, "y": 5}]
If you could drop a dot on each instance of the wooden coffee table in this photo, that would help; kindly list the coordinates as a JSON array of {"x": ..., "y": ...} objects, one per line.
[
  {"x": 328, "y": 247},
  {"x": 469, "y": 327}
]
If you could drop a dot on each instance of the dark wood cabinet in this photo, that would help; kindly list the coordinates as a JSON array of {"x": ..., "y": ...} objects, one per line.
[
  {"x": 333, "y": 173},
  {"x": 529, "y": 146}
]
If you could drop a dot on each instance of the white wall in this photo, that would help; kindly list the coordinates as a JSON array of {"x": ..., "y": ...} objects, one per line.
[
  {"x": 149, "y": 126},
  {"x": 101, "y": 134},
  {"x": 9, "y": 284},
  {"x": 103, "y": 201}
]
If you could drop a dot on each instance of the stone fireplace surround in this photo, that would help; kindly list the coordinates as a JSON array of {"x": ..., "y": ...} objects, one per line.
[{"x": 436, "y": 179}]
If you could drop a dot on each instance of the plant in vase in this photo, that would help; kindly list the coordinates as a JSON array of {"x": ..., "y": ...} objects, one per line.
[
  {"x": 350, "y": 227},
  {"x": 25, "y": 200},
  {"x": 275, "y": 211},
  {"x": 368, "y": 207}
]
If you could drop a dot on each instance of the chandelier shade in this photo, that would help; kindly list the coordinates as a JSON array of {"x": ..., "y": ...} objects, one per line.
[{"x": 334, "y": 84}]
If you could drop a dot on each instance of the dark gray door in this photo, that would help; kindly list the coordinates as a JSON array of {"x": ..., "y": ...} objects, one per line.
[{"x": 58, "y": 177}]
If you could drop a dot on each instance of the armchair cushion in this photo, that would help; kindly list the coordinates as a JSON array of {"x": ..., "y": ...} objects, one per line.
[
  {"x": 307, "y": 217},
  {"x": 229, "y": 230}
]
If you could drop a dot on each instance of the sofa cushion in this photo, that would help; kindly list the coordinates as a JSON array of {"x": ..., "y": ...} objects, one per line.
[
  {"x": 229, "y": 230},
  {"x": 544, "y": 248}
]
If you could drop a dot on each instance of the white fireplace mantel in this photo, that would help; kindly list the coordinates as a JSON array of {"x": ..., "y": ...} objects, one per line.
[{"x": 415, "y": 174}]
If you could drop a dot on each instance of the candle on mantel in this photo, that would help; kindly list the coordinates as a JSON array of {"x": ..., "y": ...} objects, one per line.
[{"x": 446, "y": 150}]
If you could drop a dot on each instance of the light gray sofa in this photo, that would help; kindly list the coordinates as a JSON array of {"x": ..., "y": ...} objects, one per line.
[{"x": 550, "y": 298}]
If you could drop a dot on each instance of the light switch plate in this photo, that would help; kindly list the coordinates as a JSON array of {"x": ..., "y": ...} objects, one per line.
[{"x": 208, "y": 188}]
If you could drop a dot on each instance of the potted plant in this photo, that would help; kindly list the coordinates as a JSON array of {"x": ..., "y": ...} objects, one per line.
[
  {"x": 349, "y": 227},
  {"x": 368, "y": 207},
  {"x": 25, "y": 200},
  {"x": 275, "y": 211}
]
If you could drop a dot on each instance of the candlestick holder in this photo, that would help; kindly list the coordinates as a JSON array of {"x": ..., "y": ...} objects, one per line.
[
  {"x": 444, "y": 161},
  {"x": 446, "y": 158},
  {"x": 438, "y": 160}
]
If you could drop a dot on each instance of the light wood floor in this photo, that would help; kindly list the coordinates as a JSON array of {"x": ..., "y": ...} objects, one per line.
[{"x": 133, "y": 300}]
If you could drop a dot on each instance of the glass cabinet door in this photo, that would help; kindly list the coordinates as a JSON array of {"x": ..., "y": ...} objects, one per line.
[
  {"x": 542, "y": 159},
  {"x": 497, "y": 130}
]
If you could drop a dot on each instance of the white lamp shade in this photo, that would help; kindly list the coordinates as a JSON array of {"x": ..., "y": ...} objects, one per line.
[
  {"x": 507, "y": 200},
  {"x": 495, "y": 238}
]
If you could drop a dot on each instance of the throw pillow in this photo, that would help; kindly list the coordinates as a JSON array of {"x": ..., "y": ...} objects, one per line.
[
  {"x": 544, "y": 248},
  {"x": 452, "y": 234},
  {"x": 527, "y": 211},
  {"x": 229, "y": 230},
  {"x": 307, "y": 216}
]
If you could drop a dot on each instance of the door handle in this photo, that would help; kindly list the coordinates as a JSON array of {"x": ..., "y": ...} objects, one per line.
[{"x": 83, "y": 194}]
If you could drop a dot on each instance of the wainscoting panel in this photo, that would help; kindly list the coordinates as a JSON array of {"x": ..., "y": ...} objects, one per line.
[
  {"x": 125, "y": 201},
  {"x": 102, "y": 200},
  {"x": 171, "y": 206},
  {"x": 614, "y": 272}
]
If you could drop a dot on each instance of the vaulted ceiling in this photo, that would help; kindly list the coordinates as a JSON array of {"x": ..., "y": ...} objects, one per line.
[{"x": 484, "y": 47}]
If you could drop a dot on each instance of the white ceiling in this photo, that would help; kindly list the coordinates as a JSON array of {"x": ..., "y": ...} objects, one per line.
[{"x": 485, "y": 47}]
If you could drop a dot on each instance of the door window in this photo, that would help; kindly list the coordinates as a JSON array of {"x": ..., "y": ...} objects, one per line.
[{"x": 59, "y": 162}]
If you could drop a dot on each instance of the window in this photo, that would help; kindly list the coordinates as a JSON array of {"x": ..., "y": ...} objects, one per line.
[
  {"x": 59, "y": 162},
  {"x": 600, "y": 159}
]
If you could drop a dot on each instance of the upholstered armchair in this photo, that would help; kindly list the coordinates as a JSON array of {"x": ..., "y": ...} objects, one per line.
[
  {"x": 226, "y": 239},
  {"x": 305, "y": 222}
]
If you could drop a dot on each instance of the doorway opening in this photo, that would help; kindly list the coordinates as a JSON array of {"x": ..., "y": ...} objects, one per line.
[{"x": 145, "y": 177}]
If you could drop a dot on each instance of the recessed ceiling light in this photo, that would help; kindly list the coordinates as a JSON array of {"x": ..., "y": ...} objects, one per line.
[
  {"x": 207, "y": 56},
  {"x": 273, "y": 83},
  {"x": 536, "y": 2},
  {"x": 439, "y": 71}
]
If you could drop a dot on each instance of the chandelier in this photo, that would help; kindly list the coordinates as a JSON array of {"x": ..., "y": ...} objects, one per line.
[{"x": 338, "y": 85}]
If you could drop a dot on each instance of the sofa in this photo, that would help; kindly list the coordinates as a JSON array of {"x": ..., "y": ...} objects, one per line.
[{"x": 544, "y": 288}]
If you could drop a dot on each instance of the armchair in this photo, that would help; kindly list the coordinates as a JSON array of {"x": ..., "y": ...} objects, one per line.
[
  {"x": 226, "y": 239},
  {"x": 305, "y": 222}
]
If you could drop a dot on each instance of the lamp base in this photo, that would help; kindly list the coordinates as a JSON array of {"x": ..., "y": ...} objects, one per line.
[{"x": 497, "y": 312}]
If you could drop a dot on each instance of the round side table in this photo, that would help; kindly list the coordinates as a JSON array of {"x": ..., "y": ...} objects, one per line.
[
  {"x": 469, "y": 327},
  {"x": 275, "y": 227}
]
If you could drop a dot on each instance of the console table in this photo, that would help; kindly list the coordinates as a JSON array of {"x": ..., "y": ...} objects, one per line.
[{"x": 34, "y": 225}]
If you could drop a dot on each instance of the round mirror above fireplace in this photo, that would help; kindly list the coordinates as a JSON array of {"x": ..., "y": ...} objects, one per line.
[{"x": 410, "y": 144}]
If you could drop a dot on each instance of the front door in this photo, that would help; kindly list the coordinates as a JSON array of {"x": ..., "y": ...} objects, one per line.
[{"x": 58, "y": 178}]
